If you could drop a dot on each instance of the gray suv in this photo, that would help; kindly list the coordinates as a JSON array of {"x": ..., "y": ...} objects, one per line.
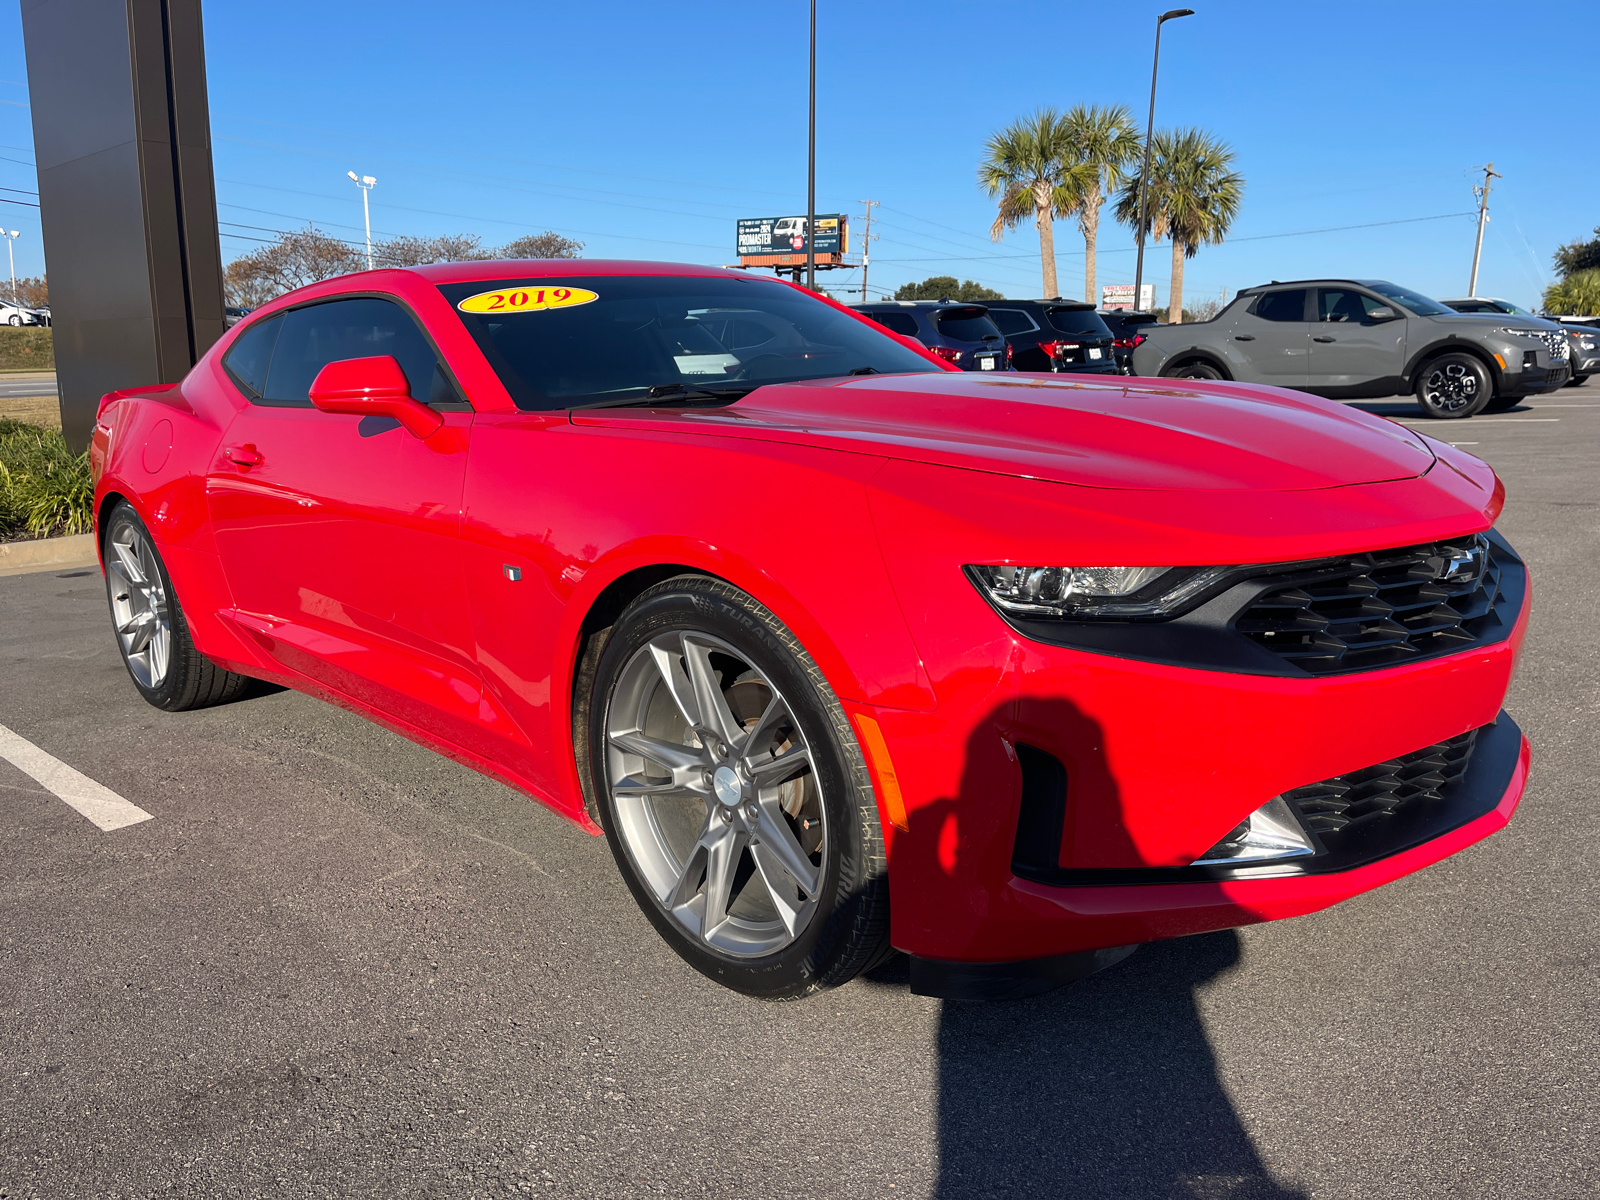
[{"x": 1356, "y": 339}]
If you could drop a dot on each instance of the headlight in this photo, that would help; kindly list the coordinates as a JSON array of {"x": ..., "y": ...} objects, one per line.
[
  {"x": 1111, "y": 593},
  {"x": 1522, "y": 333}
]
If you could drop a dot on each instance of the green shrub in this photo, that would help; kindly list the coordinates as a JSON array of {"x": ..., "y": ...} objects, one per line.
[
  {"x": 45, "y": 490},
  {"x": 27, "y": 348}
]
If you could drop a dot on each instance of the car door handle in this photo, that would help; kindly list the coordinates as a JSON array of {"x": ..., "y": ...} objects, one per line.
[
  {"x": 245, "y": 456},
  {"x": 1244, "y": 337},
  {"x": 1324, "y": 339}
]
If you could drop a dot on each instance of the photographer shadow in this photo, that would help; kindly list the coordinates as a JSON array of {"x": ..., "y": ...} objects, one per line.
[{"x": 1105, "y": 1087}]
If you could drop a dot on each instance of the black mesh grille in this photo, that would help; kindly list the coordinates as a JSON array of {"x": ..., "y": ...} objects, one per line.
[
  {"x": 1376, "y": 792},
  {"x": 1382, "y": 608}
]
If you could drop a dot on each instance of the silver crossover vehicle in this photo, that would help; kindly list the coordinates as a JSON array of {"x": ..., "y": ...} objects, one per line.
[{"x": 1354, "y": 339}]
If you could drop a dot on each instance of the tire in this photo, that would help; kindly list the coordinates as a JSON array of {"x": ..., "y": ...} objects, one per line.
[
  {"x": 1193, "y": 369},
  {"x": 16, "y": 320},
  {"x": 757, "y": 852},
  {"x": 152, "y": 634},
  {"x": 1453, "y": 386}
]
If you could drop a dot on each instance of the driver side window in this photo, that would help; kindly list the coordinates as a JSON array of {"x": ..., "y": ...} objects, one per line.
[
  {"x": 310, "y": 338},
  {"x": 1338, "y": 305}
]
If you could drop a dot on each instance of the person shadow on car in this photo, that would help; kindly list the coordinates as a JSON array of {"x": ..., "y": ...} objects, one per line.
[{"x": 1107, "y": 1086}]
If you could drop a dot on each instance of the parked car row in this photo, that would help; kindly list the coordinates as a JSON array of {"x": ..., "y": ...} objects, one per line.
[{"x": 999, "y": 335}]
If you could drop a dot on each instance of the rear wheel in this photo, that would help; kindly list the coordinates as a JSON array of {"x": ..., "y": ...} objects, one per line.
[
  {"x": 151, "y": 631},
  {"x": 1194, "y": 369},
  {"x": 733, "y": 793},
  {"x": 1453, "y": 386}
]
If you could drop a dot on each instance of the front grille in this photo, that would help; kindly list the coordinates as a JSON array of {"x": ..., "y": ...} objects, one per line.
[
  {"x": 1379, "y": 792},
  {"x": 1382, "y": 608},
  {"x": 1556, "y": 341}
]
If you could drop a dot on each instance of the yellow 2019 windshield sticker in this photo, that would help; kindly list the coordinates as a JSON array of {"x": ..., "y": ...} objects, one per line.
[{"x": 527, "y": 299}]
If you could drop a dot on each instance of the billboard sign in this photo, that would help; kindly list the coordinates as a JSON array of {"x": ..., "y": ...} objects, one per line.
[
  {"x": 1120, "y": 295},
  {"x": 787, "y": 235}
]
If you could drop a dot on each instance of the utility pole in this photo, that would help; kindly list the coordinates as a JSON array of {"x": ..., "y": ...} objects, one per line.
[
  {"x": 811, "y": 164},
  {"x": 1149, "y": 132},
  {"x": 866, "y": 246},
  {"x": 1483, "y": 219},
  {"x": 365, "y": 183}
]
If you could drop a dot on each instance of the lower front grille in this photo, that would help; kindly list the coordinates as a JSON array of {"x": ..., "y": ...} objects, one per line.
[{"x": 1383, "y": 790}]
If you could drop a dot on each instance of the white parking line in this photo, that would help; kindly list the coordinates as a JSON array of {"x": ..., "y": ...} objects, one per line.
[
  {"x": 100, "y": 804},
  {"x": 1476, "y": 421}
]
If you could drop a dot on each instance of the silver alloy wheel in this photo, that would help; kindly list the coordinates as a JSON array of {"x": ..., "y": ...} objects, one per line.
[
  {"x": 1451, "y": 387},
  {"x": 139, "y": 604},
  {"x": 716, "y": 794}
]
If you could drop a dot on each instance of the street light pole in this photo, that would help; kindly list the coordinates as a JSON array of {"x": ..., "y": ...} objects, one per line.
[
  {"x": 11, "y": 240},
  {"x": 365, "y": 183},
  {"x": 1149, "y": 132},
  {"x": 811, "y": 164}
]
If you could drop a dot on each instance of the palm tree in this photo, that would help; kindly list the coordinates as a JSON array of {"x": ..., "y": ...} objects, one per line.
[
  {"x": 1193, "y": 198},
  {"x": 1024, "y": 165},
  {"x": 1106, "y": 143}
]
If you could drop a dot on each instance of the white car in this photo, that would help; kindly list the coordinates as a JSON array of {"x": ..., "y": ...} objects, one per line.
[{"x": 12, "y": 314}]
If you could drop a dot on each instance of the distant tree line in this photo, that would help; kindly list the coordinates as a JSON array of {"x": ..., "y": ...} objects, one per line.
[
  {"x": 946, "y": 287},
  {"x": 1056, "y": 165},
  {"x": 303, "y": 256},
  {"x": 30, "y": 293},
  {"x": 1578, "y": 292}
]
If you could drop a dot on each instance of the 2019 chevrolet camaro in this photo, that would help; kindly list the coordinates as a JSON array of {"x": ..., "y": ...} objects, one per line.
[{"x": 842, "y": 650}]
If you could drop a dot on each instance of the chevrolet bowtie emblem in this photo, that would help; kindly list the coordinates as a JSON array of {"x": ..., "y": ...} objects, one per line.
[{"x": 1466, "y": 566}]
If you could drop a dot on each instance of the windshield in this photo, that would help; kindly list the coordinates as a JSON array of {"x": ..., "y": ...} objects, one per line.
[
  {"x": 568, "y": 342},
  {"x": 1415, "y": 301},
  {"x": 1507, "y": 306}
]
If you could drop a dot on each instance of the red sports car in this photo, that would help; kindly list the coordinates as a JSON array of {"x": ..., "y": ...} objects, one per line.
[{"x": 841, "y": 649}]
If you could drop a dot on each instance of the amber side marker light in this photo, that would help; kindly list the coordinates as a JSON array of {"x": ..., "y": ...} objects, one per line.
[{"x": 883, "y": 768}]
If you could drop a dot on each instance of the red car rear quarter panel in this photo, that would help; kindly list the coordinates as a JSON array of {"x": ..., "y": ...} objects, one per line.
[
  {"x": 576, "y": 507},
  {"x": 1161, "y": 761}
]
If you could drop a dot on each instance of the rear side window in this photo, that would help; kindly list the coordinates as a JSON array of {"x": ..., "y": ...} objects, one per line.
[
  {"x": 314, "y": 336},
  {"x": 1282, "y": 306},
  {"x": 967, "y": 325},
  {"x": 247, "y": 360},
  {"x": 1012, "y": 321},
  {"x": 1084, "y": 322},
  {"x": 896, "y": 322}
]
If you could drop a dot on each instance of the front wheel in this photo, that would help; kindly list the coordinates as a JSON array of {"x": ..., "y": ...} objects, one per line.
[
  {"x": 1454, "y": 386},
  {"x": 734, "y": 795},
  {"x": 16, "y": 320}
]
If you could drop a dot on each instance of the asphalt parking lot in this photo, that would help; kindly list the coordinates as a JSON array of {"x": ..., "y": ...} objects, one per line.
[{"x": 336, "y": 964}]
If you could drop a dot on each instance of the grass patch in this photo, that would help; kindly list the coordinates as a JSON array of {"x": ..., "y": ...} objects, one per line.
[
  {"x": 27, "y": 348},
  {"x": 45, "y": 490}
]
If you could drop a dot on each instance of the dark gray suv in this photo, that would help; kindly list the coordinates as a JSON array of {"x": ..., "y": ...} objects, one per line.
[{"x": 1352, "y": 339}]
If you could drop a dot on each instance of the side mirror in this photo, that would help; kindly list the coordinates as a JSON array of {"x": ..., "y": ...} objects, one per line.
[
  {"x": 1383, "y": 313},
  {"x": 372, "y": 387}
]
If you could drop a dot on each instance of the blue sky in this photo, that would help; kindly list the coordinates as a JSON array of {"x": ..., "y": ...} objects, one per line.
[{"x": 645, "y": 129}]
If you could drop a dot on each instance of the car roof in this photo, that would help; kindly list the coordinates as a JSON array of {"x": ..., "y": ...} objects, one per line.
[
  {"x": 925, "y": 304},
  {"x": 1261, "y": 287},
  {"x": 537, "y": 268}
]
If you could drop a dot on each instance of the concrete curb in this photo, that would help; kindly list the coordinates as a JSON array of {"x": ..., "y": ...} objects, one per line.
[{"x": 46, "y": 554}]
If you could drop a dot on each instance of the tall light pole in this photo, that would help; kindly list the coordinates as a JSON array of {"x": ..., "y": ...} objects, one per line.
[
  {"x": 365, "y": 183},
  {"x": 811, "y": 164},
  {"x": 13, "y": 234},
  {"x": 1149, "y": 132},
  {"x": 1483, "y": 219}
]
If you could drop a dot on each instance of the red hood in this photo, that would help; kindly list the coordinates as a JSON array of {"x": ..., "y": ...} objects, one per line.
[{"x": 1134, "y": 433}]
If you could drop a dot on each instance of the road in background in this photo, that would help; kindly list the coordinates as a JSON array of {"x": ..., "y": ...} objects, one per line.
[
  {"x": 336, "y": 964},
  {"x": 31, "y": 383}
]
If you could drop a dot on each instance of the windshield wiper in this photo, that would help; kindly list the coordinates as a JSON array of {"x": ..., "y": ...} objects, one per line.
[
  {"x": 663, "y": 394},
  {"x": 863, "y": 371}
]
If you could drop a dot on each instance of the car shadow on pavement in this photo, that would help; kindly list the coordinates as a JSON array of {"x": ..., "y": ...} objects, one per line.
[{"x": 1107, "y": 1087}]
